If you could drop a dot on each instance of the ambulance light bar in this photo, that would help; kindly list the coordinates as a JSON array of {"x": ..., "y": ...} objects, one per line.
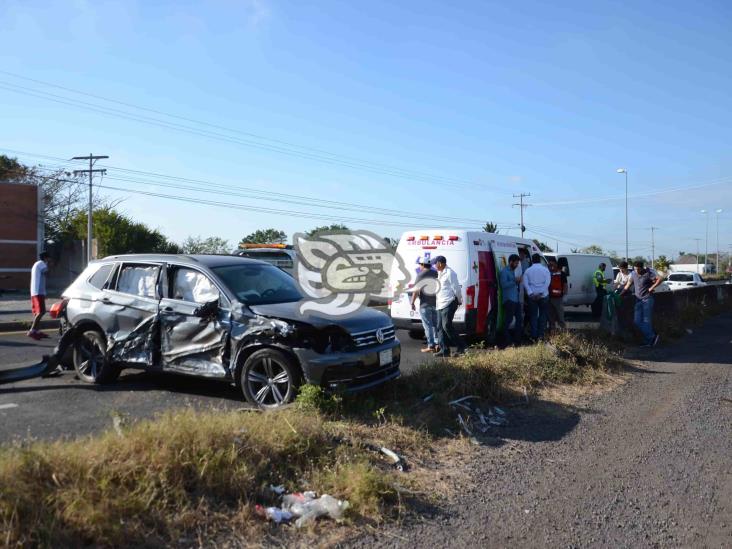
[{"x": 247, "y": 246}]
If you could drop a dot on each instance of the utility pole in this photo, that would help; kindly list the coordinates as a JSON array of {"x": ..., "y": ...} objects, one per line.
[
  {"x": 653, "y": 247},
  {"x": 522, "y": 206},
  {"x": 91, "y": 173}
]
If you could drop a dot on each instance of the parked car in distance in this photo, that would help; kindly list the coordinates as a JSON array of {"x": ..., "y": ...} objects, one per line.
[
  {"x": 681, "y": 281},
  {"x": 219, "y": 317},
  {"x": 279, "y": 255}
]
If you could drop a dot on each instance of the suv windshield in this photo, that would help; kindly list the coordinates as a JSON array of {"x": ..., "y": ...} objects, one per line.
[{"x": 258, "y": 284}]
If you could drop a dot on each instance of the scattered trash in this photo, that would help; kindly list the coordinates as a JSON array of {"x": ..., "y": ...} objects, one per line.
[
  {"x": 117, "y": 424},
  {"x": 397, "y": 461},
  {"x": 325, "y": 505},
  {"x": 476, "y": 419},
  {"x": 279, "y": 490},
  {"x": 461, "y": 399},
  {"x": 306, "y": 506},
  {"x": 464, "y": 426},
  {"x": 275, "y": 514},
  {"x": 428, "y": 398},
  {"x": 689, "y": 331}
]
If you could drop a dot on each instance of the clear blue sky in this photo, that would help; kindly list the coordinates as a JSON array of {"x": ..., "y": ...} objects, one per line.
[{"x": 503, "y": 97}]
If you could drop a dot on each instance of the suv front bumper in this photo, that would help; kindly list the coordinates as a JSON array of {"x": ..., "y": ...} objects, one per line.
[{"x": 351, "y": 371}]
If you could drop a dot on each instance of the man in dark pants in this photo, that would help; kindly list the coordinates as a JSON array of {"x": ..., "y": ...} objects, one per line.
[
  {"x": 536, "y": 282},
  {"x": 511, "y": 303},
  {"x": 449, "y": 298},
  {"x": 598, "y": 279}
]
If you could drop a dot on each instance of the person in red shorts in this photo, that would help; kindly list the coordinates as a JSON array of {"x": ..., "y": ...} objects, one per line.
[{"x": 38, "y": 294}]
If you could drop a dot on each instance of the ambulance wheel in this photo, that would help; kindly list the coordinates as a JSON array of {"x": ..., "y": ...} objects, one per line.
[{"x": 416, "y": 334}]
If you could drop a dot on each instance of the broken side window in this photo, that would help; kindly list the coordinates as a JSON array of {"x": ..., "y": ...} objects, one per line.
[
  {"x": 138, "y": 280},
  {"x": 190, "y": 285},
  {"x": 99, "y": 279}
]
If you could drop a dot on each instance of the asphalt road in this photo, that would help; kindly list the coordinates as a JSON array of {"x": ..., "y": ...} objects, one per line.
[{"x": 63, "y": 406}]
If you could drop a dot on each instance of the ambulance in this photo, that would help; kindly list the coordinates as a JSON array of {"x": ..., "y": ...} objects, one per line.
[{"x": 476, "y": 257}]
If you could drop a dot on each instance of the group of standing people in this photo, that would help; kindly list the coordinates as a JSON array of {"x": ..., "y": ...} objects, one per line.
[
  {"x": 439, "y": 298},
  {"x": 527, "y": 288},
  {"x": 540, "y": 289}
]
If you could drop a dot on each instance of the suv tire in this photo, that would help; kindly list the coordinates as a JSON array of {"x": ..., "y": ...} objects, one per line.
[
  {"x": 268, "y": 378},
  {"x": 90, "y": 358}
]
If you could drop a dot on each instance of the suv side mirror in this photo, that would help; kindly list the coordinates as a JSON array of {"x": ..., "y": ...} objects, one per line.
[{"x": 207, "y": 310}]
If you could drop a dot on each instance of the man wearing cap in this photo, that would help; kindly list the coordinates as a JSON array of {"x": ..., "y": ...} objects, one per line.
[
  {"x": 449, "y": 298},
  {"x": 425, "y": 288}
]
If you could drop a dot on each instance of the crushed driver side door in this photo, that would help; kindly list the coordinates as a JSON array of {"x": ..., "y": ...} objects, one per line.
[{"x": 193, "y": 329}]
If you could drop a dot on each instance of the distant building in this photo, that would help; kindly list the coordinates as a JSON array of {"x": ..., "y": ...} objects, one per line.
[
  {"x": 688, "y": 263},
  {"x": 21, "y": 233}
]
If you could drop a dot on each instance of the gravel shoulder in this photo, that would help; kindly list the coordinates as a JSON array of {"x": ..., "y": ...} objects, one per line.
[{"x": 647, "y": 465}]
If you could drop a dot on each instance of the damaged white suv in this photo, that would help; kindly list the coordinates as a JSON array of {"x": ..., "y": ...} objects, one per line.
[{"x": 222, "y": 317}]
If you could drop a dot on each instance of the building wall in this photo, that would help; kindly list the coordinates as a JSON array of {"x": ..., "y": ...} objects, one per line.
[{"x": 21, "y": 233}]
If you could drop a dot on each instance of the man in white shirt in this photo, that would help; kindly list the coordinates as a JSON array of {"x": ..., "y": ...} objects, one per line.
[
  {"x": 38, "y": 294},
  {"x": 448, "y": 298},
  {"x": 536, "y": 280}
]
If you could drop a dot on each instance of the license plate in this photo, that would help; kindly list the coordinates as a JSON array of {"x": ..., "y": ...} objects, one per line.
[{"x": 385, "y": 357}]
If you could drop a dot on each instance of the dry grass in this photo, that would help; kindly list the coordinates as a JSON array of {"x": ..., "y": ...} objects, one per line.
[
  {"x": 190, "y": 476},
  {"x": 174, "y": 477}
]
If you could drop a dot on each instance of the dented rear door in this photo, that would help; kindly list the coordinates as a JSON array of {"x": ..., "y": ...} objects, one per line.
[
  {"x": 128, "y": 312},
  {"x": 192, "y": 343}
]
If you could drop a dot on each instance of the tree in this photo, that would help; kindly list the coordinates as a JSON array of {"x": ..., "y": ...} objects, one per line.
[
  {"x": 615, "y": 259},
  {"x": 118, "y": 234},
  {"x": 392, "y": 242},
  {"x": 593, "y": 249},
  {"x": 265, "y": 236},
  {"x": 662, "y": 263},
  {"x": 210, "y": 245},
  {"x": 542, "y": 246},
  {"x": 490, "y": 227},
  {"x": 335, "y": 228}
]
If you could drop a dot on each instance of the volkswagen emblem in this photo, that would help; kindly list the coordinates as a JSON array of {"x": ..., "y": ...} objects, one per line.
[{"x": 380, "y": 336}]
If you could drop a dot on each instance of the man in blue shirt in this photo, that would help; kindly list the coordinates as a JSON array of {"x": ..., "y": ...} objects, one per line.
[{"x": 510, "y": 298}]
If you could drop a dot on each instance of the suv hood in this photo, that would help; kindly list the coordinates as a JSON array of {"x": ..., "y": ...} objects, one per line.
[{"x": 365, "y": 319}]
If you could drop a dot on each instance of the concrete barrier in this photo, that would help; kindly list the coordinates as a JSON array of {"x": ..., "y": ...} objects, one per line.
[{"x": 668, "y": 305}]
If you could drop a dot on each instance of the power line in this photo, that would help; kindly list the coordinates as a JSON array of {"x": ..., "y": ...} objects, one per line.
[
  {"x": 258, "y": 194},
  {"x": 307, "y": 215},
  {"x": 324, "y": 157},
  {"x": 208, "y": 124}
]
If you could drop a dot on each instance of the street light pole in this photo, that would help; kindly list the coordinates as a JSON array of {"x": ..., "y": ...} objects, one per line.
[
  {"x": 718, "y": 212},
  {"x": 696, "y": 267},
  {"x": 706, "y": 241},
  {"x": 625, "y": 171}
]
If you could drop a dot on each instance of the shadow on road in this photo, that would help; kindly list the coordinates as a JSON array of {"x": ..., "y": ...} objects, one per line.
[{"x": 138, "y": 382}]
